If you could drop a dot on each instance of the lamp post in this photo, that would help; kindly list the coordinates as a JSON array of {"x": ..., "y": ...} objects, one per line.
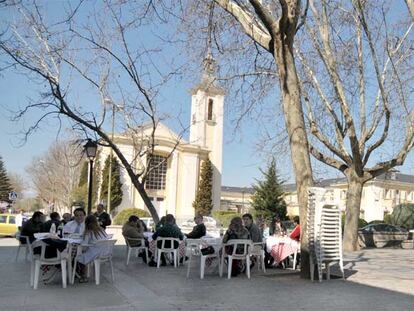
[{"x": 90, "y": 149}]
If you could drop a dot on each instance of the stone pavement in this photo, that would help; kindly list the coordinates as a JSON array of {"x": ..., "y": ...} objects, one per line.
[{"x": 139, "y": 287}]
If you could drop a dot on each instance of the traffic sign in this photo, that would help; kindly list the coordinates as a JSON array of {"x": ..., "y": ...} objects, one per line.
[{"x": 13, "y": 196}]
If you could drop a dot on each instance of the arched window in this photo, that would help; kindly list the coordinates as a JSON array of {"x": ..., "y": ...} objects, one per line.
[{"x": 210, "y": 110}]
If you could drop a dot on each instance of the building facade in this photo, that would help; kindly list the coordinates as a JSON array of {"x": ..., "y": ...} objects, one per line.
[
  {"x": 379, "y": 196},
  {"x": 173, "y": 184}
]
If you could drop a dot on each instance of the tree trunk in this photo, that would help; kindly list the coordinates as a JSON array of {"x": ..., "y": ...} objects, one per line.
[
  {"x": 353, "y": 203},
  {"x": 298, "y": 140}
]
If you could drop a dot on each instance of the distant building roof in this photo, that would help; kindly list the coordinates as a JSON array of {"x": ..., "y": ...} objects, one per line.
[
  {"x": 389, "y": 176},
  {"x": 237, "y": 189}
]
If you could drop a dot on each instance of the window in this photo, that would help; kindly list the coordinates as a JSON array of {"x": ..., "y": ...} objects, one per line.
[
  {"x": 157, "y": 176},
  {"x": 12, "y": 219},
  {"x": 210, "y": 110},
  {"x": 3, "y": 219}
]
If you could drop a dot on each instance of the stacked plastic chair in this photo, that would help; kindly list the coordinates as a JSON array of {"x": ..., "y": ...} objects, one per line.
[{"x": 324, "y": 233}]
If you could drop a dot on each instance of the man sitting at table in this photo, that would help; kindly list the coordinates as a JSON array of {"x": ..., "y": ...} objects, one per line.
[
  {"x": 78, "y": 224},
  {"x": 168, "y": 230},
  {"x": 103, "y": 217},
  {"x": 255, "y": 234},
  {"x": 54, "y": 219},
  {"x": 32, "y": 226},
  {"x": 199, "y": 229},
  {"x": 133, "y": 230}
]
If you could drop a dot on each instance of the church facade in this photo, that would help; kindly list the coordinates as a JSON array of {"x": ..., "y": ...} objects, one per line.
[{"x": 173, "y": 184}]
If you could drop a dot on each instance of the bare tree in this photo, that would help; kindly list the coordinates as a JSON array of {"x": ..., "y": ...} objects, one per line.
[
  {"x": 97, "y": 50},
  {"x": 264, "y": 52},
  {"x": 356, "y": 75},
  {"x": 55, "y": 174}
]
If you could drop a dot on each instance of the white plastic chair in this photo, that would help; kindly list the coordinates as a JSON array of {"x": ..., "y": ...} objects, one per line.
[
  {"x": 106, "y": 256},
  {"x": 236, "y": 254},
  {"x": 194, "y": 247},
  {"x": 295, "y": 255},
  {"x": 106, "y": 250},
  {"x": 40, "y": 261},
  {"x": 26, "y": 246},
  {"x": 136, "y": 249},
  {"x": 167, "y": 250},
  {"x": 258, "y": 251}
]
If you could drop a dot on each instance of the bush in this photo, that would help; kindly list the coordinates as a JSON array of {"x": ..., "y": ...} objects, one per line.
[
  {"x": 224, "y": 217},
  {"x": 122, "y": 216},
  {"x": 403, "y": 216},
  {"x": 361, "y": 222}
]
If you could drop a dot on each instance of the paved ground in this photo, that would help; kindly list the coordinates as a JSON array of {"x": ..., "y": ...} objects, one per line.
[{"x": 139, "y": 287}]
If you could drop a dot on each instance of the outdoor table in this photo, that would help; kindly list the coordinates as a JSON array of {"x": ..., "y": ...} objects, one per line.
[{"x": 281, "y": 247}]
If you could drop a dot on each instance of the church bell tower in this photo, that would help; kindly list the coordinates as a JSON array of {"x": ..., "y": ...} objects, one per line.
[{"x": 206, "y": 128}]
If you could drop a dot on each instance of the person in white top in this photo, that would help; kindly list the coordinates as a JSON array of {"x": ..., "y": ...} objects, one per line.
[{"x": 78, "y": 224}]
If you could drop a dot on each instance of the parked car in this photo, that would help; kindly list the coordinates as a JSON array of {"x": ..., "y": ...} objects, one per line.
[
  {"x": 289, "y": 225},
  {"x": 209, "y": 222},
  {"x": 381, "y": 235},
  {"x": 8, "y": 225},
  {"x": 149, "y": 222}
]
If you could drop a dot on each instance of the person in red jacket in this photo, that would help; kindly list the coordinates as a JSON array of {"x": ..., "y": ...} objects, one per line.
[{"x": 295, "y": 234}]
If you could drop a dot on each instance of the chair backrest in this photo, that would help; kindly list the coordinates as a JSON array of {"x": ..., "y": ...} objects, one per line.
[
  {"x": 105, "y": 247},
  {"x": 129, "y": 239},
  {"x": 43, "y": 245},
  {"x": 257, "y": 248},
  {"x": 167, "y": 243},
  {"x": 194, "y": 245},
  {"x": 240, "y": 248}
]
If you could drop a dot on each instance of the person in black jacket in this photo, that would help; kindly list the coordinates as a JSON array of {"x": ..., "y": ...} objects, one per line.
[
  {"x": 199, "y": 230},
  {"x": 103, "y": 217},
  {"x": 32, "y": 226},
  {"x": 54, "y": 219}
]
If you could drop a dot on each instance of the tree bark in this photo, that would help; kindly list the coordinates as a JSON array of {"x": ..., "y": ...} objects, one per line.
[
  {"x": 353, "y": 204},
  {"x": 298, "y": 140}
]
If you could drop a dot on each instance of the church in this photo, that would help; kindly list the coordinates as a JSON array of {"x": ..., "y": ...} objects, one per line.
[{"x": 173, "y": 184}]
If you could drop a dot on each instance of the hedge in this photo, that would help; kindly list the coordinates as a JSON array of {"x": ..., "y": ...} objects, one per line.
[
  {"x": 122, "y": 216},
  {"x": 224, "y": 217}
]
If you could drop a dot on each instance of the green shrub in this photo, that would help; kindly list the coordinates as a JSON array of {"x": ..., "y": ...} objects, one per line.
[
  {"x": 361, "y": 222},
  {"x": 224, "y": 217},
  {"x": 403, "y": 216},
  {"x": 387, "y": 218},
  {"x": 122, "y": 216}
]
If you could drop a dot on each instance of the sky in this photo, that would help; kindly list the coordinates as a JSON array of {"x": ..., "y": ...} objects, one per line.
[{"x": 241, "y": 157}]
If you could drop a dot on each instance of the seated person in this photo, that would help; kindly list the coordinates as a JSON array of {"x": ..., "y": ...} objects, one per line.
[
  {"x": 133, "y": 229},
  {"x": 160, "y": 223},
  {"x": 199, "y": 229},
  {"x": 54, "y": 219},
  {"x": 66, "y": 217},
  {"x": 78, "y": 224},
  {"x": 168, "y": 230},
  {"x": 92, "y": 233},
  {"x": 104, "y": 219},
  {"x": 32, "y": 226},
  {"x": 235, "y": 231},
  {"x": 295, "y": 234},
  {"x": 277, "y": 228},
  {"x": 254, "y": 231}
]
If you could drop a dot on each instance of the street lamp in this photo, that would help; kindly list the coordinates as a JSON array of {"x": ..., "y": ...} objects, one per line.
[{"x": 90, "y": 149}]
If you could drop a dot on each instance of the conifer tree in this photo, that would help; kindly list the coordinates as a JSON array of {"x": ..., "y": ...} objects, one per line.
[
  {"x": 267, "y": 200},
  {"x": 80, "y": 195},
  {"x": 116, "y": 185},
  {"x": 203, "y": 203},
  {"x": 5, "y": 185}
]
